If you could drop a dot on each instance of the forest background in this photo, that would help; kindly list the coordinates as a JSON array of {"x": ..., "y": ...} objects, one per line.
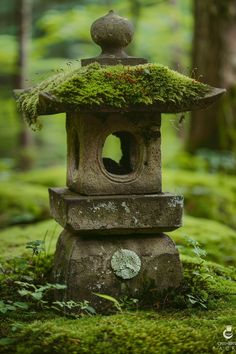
[{"x": 40, "y": 38}]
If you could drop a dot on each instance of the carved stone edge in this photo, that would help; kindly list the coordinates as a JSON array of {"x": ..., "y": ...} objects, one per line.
[
  {"x": 131, "y": 61},
  {"x": 49, "y": 104},
  {"x": 80, "y": 213}
]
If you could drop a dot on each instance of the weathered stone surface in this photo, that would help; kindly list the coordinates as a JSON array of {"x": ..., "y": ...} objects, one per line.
[
  {"x": 125, "y": 264},
  {"x": 131, "y": 61},
  {"x": 84, "y": 265},
  {"x": 112, "y": 33},
  {"x": 126, "y": 214},
  {"x": 86, "y": 135}
]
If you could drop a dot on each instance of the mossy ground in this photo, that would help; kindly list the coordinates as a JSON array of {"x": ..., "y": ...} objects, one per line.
[
  {"x": 218, "y": 240},
  {"x": 175, "y": 325},
  {"x": 22, "y": 203},
  {"x": 116, "y": 86},
  {"x": 211, "y": 196},
  {"x": 136, "y": 333},
  {"x": 211, "y": 283},
  {"x": 13, "y": 239},
  {"x": 165, "y": 330},
  {"x": 24, "y": 196}
]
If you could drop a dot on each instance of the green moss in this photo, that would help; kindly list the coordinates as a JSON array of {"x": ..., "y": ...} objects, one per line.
[
  {"x": 210, "y": 196},
  {"x": 185, "y": 330},
  {"x": 49, "y": 177},
  {"x": 136, "y": 333},
  {"x": 116, "y": 86},
  {"x": 22, "y": 203},
  {"x": 218, "y": 240},
  {"x": 206, "y": 282},
  {"x": 13, "y": 239},
  {"x": 24, "y": 196},
  {"x": 167, "y": 330}
]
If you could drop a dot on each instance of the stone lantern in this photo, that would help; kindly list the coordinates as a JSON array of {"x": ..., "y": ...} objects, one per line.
[{"x": 114, "y": 215}]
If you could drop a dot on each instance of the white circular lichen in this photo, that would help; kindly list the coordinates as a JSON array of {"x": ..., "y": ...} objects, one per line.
[{"x": 126, "y": 264}]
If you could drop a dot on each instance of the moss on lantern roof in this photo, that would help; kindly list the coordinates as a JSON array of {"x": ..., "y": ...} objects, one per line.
[{"x": 112, "y": 86}]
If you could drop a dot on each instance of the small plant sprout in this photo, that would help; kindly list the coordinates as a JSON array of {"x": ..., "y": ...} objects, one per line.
[
  {"x": 197, "y": 300},
  {"x": 197, "y": 250},
  {"x": 37, "y": 292},
  {"x": 83, "y": 306},
  {"x": 115, "y": 302},
  {"x": 121, "y": 304},
  {"x": 36, "y": 295},
  {"x": 36, "y": 246}
]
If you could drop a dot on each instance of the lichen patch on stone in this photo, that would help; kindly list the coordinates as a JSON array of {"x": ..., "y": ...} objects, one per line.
[
  {"x": 126, "y": 264},
  {"x": 125, "y": 206},
  {"x": 110, "y": 207},
  {"x": 175, "y": 201}
]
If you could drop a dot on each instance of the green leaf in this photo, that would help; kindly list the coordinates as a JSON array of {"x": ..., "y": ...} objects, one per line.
[
  {"x": 4, "y": 307},
  {"x": 107, "y": 297},
  {"x": 21, "y": 305},
  {"x": 37, "y": 295},
  {"x": 59, "y": 286},
  {"x": 91, "y": 310},
  {"x": 6, "y": 341},
  {"x": 3, "y": 310},
  {"x": 26, "y": 285},
  {"x": 24, "y": 292},
  {"x": 192, "y": 301},
  {"x": 110, "y": 298},
  {"x": 58, "y": 303}
]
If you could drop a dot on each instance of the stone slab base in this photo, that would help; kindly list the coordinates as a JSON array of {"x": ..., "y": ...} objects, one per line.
[
  {"x": 116, "y": 214},
  {"x": 138, "y": 267}
]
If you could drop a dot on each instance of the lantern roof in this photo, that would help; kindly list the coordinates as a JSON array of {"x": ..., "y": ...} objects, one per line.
[{"x": 115, "y": 82}]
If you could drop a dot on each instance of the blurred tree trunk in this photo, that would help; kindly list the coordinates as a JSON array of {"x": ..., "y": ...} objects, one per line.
[
  {"x": 214, "y": 53},
  {"x": 135, "y": 9},
  {"x": 176, "y": 50},
  {"x": 23, "y": 20}
]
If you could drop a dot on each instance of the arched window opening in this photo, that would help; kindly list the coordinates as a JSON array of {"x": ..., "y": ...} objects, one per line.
[{"x": 119, "y": 153}]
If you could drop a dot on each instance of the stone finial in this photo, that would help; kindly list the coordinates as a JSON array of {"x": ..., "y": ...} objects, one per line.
[{"x": 112, "y": 33}]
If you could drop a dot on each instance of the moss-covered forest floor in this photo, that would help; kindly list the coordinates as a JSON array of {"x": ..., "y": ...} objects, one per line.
[{"x": 190, "y": 320}]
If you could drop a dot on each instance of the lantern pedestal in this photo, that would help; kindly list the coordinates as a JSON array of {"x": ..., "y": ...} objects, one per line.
[
  {"x": 114, "y": 245},
  {"x": 135, "y": 266},
  {"x": 116, "y": 214}
]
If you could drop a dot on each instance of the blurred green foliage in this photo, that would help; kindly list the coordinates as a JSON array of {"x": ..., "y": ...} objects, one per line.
[
  {"x": 24, "y": 196},
  {"x": 218, "y": 240},
  {"x": 211, "y": 196},
  {"x": 60, "y": 37},
  {"x": 8, "y": 55},
  {"x": 22, "y": 203}
]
